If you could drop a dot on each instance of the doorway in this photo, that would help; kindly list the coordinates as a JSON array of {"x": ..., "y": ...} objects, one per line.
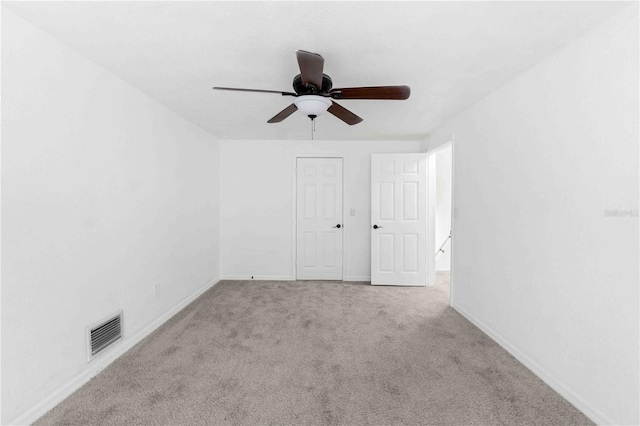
[
  {"x": 441, "y": 159},
  {"x": 443, "y": 208},
  {"x": 319, "y": 218}
]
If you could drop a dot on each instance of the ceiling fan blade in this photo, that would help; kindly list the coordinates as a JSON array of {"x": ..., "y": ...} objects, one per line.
[
  {"x": 284, "y": 114},
  {"x": 344, "y": 114},
  {"x": 377, "y": 92},
  {"x": 235, "y": 89},
  {"x": 311, "y": 65}
]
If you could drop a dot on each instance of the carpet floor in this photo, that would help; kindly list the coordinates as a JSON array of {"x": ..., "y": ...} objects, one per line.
[{"x": 316, "y": 352}]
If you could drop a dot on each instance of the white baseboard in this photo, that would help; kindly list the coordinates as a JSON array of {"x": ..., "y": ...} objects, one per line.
[
  {"x": 258, "y": 278},
  {"x": 554, "y": 383},
  {"x": 99, "y": 364},
  {"x": 357, "y": 278},
  {"x": 281, "y": 278}
]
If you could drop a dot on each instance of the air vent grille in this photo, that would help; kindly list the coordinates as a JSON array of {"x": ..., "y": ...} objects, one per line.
[{"x": 104, "y": 334}]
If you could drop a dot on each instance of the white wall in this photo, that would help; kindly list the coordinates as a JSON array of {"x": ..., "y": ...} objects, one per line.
[
  {"x": 537, "y": 262},
  {"x": 256, "y": 214},
  {"x": 443, "y": 207},
  {"x": 105, "y": 193}
]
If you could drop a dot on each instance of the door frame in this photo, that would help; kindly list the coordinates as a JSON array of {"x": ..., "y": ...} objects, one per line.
[
  {"x": 294, "y": 216},
  {"x": 432, "y": 209}
]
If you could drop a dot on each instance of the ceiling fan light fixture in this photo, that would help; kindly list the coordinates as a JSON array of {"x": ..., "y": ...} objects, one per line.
[{"x": 312, "y": 105}]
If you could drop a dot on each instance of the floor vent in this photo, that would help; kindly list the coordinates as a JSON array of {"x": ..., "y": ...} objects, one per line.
[{"x": 104, "y": 334}]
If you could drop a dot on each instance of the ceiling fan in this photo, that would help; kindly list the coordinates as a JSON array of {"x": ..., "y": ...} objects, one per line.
[{"x": 315, "y": 94}]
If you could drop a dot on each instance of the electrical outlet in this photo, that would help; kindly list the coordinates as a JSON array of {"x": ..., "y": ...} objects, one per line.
[
  {"x": 352, "y": 212},
  {"x": 156, "y": 289}
]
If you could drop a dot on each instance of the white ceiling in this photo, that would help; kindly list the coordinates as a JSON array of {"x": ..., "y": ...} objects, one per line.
[{"x": 451, "y": 54}]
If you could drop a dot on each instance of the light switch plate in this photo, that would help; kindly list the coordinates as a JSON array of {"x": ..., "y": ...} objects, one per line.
[{"x": 352, "y": 212}]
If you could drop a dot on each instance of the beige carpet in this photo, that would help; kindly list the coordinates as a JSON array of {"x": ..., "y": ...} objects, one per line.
[{"x": 324, "y": 353}]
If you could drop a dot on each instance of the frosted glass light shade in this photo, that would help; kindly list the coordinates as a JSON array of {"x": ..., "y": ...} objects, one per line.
[{"x": 312, "y": 104}]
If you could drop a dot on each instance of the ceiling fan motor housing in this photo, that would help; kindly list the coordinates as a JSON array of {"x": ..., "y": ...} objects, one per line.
[{"x": 301, "y": 89}]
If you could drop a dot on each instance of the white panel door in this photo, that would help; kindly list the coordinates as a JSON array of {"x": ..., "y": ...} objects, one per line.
[
  {"x": 319, "y": 219},
  {"x": 399, "y": 219}
]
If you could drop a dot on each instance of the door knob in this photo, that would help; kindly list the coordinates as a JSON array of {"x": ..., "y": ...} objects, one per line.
[
  {"x": 338, "y": 226},
  {"x": 376, "y": 226}
]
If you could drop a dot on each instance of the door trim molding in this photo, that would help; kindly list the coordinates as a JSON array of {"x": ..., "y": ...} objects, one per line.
[{"x": 294, "y": 222}]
